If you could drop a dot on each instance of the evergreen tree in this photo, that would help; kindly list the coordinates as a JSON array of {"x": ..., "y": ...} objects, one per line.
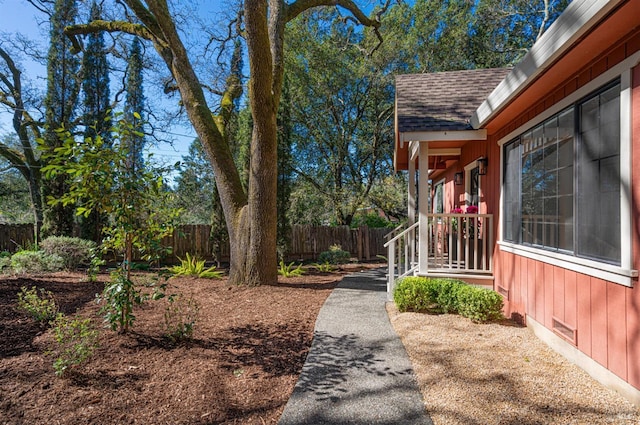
[
  {"x": 60, "y": 105},
  {"x": 134, "y": 106},
  {"x": 95, "y": 84},
  {"x": 97, "y": 114}
]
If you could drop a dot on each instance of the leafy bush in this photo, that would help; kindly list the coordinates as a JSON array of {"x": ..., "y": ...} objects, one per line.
[
  {"x": 73, "y": 251},
  {"x": 42, "y": 308},
  {"x": 36, "y": 262},
  {"x": 479, "y": 304},
  {"x": 372, "y": 220},
  {"x": 180, "y": 318},
  {"x": 120, "y": 295},
  {"x": 335, "y": 255},
  {"x": 447, "y": 296},
  {"x": 75, "y": 339},
  {"x": 415, "y": 294},
  {"x": 289, "y": 271},
  {"x": 192, "y": 266}
]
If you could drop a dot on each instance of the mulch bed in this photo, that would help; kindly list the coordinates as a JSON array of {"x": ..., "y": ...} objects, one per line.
[{"x": 248, "y": 349}]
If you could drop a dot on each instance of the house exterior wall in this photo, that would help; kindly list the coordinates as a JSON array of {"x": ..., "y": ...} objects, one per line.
[{"x": 600, "y": 318}]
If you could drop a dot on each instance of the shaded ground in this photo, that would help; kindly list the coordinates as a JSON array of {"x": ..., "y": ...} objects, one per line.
[{"x": 248, "y": 349}]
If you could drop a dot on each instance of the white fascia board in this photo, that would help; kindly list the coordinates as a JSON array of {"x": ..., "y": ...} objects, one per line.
[
  {"x": 443, "y": 136},
  {"x": 576, "y": 21}
]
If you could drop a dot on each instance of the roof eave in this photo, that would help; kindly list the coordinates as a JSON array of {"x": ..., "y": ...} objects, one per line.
[{"x": 576, "y": 21}]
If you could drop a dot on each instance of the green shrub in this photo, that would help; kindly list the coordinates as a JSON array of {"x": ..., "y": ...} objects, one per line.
[
  {"x": 192, "y": 266},
  {"x": 73, "y": 251},
  {"x": 180, "y": 318},
  {"x": 75, "y": 341},
  {"x": 288, "y": 270},
  {"x": 415, "y": 294},
  {"x": 43, "y": 308},
  {"x": 335, "y": 255},
  {"x": 479, "y": 304},
  {"x": 447, "y": 296},
  {"x": 36, "y": 262}
]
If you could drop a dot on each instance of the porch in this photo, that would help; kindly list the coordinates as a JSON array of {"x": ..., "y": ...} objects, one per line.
[{"x": 451, "y": 245}]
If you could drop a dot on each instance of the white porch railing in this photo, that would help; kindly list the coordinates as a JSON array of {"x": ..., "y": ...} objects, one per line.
[
  {"x": 402, "y": 255},
  {"x": 458, "y": 245}
]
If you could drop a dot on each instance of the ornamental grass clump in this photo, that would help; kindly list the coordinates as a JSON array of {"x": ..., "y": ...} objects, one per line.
[
  {"x": 428, "y": 295},
  {"x": 192, "y": 266}
]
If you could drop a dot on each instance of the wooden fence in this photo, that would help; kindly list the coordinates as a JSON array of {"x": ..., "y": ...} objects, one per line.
[
  {"x": 307, "y": 242},
  {"x": 15, "y": 236}
]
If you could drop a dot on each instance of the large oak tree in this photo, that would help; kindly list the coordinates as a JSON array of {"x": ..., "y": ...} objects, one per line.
[{"x": 250, "y": 215}]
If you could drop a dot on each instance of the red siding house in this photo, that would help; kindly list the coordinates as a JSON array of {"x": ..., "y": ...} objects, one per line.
[{"x": 527, "y": 180}]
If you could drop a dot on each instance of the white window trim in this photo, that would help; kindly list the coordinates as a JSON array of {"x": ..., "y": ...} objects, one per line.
[{"x": 623, "y": 274}]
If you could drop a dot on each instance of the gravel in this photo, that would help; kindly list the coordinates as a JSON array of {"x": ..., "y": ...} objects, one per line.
[{"x": 500, "y": 373}]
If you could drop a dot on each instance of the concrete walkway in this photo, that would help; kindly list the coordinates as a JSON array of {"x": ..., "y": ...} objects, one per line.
[{"x": 357, "y": 371}]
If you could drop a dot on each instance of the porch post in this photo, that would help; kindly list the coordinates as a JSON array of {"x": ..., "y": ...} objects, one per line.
[
  {"x": 411, "y": 214},
  {"x": 423, "y": 208}
]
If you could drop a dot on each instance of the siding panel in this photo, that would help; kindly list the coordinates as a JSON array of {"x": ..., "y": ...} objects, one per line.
[
  {"x": 633, "y": 335},
  {"x": 549, "y": 285},
  {"x": 616, "y": 330},
  {"x": 599, "y": 341},
  {"x": 539, "y": 290},
  {"x": 583, "y": 284},
  {"x": 558, "y": 293},
  {"x": 570, "y": 296}
]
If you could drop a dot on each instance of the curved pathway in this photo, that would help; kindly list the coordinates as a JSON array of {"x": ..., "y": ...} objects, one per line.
[{"x": 357, "y": 371}]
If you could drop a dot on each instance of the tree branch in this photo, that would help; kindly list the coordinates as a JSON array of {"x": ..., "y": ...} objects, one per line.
[{"x": 139, "y": 30}]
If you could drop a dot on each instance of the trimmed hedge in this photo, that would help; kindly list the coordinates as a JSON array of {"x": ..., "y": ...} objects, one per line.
[{"x": 435, "y": 295}]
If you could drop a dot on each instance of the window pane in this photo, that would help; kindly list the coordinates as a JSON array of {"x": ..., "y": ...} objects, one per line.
[
  {"x": 598, "y": 191},
  {"x": 512, "y": 192}
]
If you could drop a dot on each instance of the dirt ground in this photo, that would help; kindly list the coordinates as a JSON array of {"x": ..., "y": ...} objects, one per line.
[{"x": 248, "y": 349}]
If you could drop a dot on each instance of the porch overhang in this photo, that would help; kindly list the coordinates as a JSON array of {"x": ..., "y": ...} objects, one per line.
[{"x": 444, "y": 144}]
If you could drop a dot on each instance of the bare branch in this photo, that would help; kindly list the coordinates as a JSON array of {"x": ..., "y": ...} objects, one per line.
[{"x": 139, "y": 30}]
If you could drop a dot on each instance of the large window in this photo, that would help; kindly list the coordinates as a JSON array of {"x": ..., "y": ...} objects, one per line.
[{"x": 562, "y": 181}]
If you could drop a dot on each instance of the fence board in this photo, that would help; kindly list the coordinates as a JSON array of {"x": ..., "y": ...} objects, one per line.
[
  {"x": 307, "y": 242},
  {"x": 15, "y": 236}
]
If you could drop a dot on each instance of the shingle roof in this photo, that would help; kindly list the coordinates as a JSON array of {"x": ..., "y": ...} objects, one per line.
[{"x": 443, "y": 100}]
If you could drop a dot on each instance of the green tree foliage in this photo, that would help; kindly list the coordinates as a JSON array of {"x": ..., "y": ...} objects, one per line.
[
  {"x": 60, "y": 108},
  {"x": 195, "y": 186},
  {"x": 134, "y": 200},
  {"x": 96, "y": 107},
  {"x": 134, "y": 106},
  {"x": 503, "y": 31},
  {"x": 285, "y": 162},
  {"x": 342, "y": 111},
  {"x": 15, "y": 204},
  {"x": 95, "y": 84}
]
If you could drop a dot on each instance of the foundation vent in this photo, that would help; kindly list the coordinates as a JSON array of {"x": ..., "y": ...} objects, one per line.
[
  {"x": 565, "y": 331},
  {"x": 503, "y": 291}
]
